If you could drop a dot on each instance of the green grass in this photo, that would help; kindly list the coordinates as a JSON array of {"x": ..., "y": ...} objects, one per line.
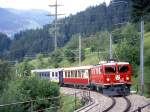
[
  {"x": 68, "y": 103},
  {"x": 91, "y": 59},
  {"x": 147, "y": 41},
  {"x": 136, "y": 80}
]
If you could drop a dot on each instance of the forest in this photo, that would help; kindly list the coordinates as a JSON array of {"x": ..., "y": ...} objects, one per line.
[{"x": 88, "y": 22}]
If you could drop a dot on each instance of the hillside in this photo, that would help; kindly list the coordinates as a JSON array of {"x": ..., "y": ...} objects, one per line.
[
  {"x": 39, "y": 16},
  {"x": 92, "y": 20},
  {"x": 13, "y": 21}
]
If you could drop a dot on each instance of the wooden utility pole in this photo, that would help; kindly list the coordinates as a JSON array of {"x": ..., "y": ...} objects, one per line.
[
  {"x": 110, "y": 45},
  {"x": 79, "y": 50},
  {"x": 56, "y": 5},
  {"x": 142, "y": 57}
]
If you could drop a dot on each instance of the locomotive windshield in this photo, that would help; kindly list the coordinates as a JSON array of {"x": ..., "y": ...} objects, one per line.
[
  {"x": 110, "y": 69},
  {"x": 123, "y": 68}
]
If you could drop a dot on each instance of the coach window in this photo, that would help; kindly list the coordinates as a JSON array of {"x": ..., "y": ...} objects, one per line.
[
  {"x": 65, "y": 74},
  {"x": 68, "y": 73},
  {"x": 75, "y": 73},
  {"x": 94, "y": 71},
  {"x": 72, "y": 74},
  {"x": 99, "y": 70},
  {"x": 41, "y": 74},
  {"x": 79, "y": 74},
  {"x": 82, "y": 73},
  {"x": 45, "y": 74},
  {"x": 56, "y": 74}
]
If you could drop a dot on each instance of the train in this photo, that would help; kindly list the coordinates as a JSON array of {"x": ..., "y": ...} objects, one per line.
[{"x": 110, "y": 78}]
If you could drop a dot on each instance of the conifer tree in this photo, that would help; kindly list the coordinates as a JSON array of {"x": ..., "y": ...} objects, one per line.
[{"x": 140, "y": 8}]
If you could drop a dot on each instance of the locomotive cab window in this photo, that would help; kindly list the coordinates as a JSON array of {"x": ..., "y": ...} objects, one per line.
[
  {"x": 123, "y": 69},
  {"x": 110, "y": 69}
]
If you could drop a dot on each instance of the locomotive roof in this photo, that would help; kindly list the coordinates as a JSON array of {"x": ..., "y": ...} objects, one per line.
[
  {"x": 79, "y": 68},
  {"x": 113, "y": 63},
  {"x": 47, "y": 70}
]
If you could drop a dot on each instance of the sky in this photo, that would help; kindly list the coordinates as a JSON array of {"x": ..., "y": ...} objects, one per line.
[{"x": 69, "y": 6}]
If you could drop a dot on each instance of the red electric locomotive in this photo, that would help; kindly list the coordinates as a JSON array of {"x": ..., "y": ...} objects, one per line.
[{"x": 111, "y": 78}]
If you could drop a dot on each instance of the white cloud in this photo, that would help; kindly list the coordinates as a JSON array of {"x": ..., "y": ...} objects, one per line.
[{"x": 70, "y": 6}]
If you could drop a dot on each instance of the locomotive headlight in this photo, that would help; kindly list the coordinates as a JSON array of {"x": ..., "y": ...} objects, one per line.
[
  {"x": 127, "y": 78},
  {"x": 108, "y": 79}
]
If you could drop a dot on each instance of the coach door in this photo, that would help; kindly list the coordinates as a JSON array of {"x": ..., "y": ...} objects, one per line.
[{"x": 61, "y": 77}]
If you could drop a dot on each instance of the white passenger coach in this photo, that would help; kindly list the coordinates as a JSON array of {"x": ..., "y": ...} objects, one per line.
[{"x": 54, "y": 75}]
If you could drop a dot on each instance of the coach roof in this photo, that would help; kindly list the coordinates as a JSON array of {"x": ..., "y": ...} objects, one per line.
[
  {"x": 47, "y": 70},
  {"x": 79, "y": 68}
]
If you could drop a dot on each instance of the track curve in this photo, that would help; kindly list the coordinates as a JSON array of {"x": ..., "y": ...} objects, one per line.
[
  {"x": 102, "y": 102},
  {"x": 128, "y": 104}
]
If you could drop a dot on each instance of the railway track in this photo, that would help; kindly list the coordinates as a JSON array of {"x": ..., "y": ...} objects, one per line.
[
  {"x": 103, "y": 103},
  {"x": 95, "y": 106},
  {"x": 112, "y": 104},
  {"x": 118, "y": 105}
]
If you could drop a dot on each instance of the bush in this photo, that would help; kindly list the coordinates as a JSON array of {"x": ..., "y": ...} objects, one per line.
[
  {"x": 6, "y": 75},
  {"x": 56, "y": 57},
  {"x": 30, "y": 89}
]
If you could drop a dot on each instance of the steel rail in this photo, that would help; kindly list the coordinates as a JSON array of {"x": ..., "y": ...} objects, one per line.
[
  {"x": 128, "y": 104},
  {"x": 112, "y": 105}
]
